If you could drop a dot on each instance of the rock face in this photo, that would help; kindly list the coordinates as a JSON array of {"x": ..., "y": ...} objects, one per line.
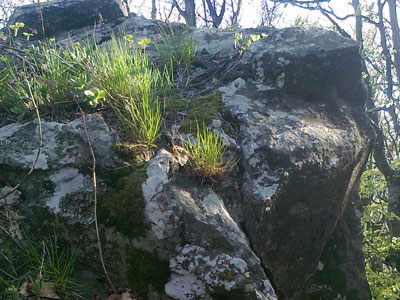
[
  {"x": 63, "y": 15},
  {"x": 284, "y": 225}
]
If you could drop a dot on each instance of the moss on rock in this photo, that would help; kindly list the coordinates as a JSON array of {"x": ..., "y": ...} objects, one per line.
[
  {"x": 198, "y": 110},
  {"x": 145, "y": 269},
  {"x": 124, "y": 207},
  {"x": 201, "y": 110}
]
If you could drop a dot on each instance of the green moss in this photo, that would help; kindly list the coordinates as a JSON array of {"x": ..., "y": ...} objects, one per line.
[
  {"x": 124, "y": 207},
  {"x": 231, "y": 295},
  {"x": 146, "y": 269},
  {"x": 201, "y": 110}
]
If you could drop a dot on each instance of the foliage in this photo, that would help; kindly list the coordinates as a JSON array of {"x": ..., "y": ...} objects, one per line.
[
  {"x": 203, "y": 109},
  {"x": 108, "y": 76},
  {"x": 47, "y": 73},
  {"x": 242, "y": 42},
  {"x": 206, "y": 153},
  {"x": 379, "y": 245},
  {"x": 55, "y": 263}
]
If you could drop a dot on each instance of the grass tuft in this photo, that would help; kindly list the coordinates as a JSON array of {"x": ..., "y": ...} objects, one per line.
[
  {"x": 206, "y": 154},
  {"x": 132, "y": 84}
]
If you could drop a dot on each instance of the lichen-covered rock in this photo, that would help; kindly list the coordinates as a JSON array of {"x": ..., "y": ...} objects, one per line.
[
  {"x": 285, "y": 224},
  {"x": 305, "y": 138},
  {"x": 64, "y": 160},
  {"x": 64, "y": 145},
  {"x": 208, "y": 251}
]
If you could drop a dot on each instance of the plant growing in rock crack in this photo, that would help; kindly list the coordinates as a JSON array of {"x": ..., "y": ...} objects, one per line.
[{"x": 206, "y": 153}]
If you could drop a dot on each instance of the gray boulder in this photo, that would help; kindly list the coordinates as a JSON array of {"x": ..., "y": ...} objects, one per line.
[{"x": 65, "y": 15}]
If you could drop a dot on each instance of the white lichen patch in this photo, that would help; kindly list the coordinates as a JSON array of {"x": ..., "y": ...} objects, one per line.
[
  {"x": 333, "y": 161},
  {"x": 197, "y": 271},
  {"x": 8, "y": 130},
  {"x": 186, "y": 287},
  {"x": 280, "y": 81},
  {"x": 157, "y": 176},
  {"x": 66, "y": 181},
  {"x": 264, "y": 186},
  {"x": 238, "y": 104},
  {"x": 262, "y": 87},
  {"x": 12, "y": 196}
]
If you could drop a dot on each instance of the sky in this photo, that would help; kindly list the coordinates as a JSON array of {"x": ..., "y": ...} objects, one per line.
[{"x": 250, "y": 11}]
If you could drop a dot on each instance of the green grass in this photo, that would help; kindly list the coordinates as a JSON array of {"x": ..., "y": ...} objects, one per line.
[
  {"x": 206, "y": 154},
  {"x": 37, "y": 263},
  {"x": 113, "y": 75},
  {"x": 177, "y": 50},
  {"x": 132, "y": 84},
  {"x": 56, "y": 264}
]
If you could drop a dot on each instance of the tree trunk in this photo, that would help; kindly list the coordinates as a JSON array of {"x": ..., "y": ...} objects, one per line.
[
  {"x": 189, "y": 14},
  {"x": 395, "y": 35},
  {"x": 216, "y": 19},
  {"x": 153, "y": 9},
  {"x": 190, "y": 11},
  {"x": 235, "y": 13}
]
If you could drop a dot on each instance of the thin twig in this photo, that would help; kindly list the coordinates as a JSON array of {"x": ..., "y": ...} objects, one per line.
[
  {"x": 43, "y": 255},
  {"x": 94, "y": 182},
  {"x": 8, "y": 274}
]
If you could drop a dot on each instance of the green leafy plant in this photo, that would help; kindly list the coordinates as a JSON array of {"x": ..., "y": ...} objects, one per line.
[
  {"x": 15, "y": 27},
  {"x": 206, "y": 154},
  {"x": 95, "y": 96},
  {"x": 12, "y": 291},
  {"x": 379, "y": 245},
  {"x": 242, "y": 42},
  {"x": 37, "y": 286}
]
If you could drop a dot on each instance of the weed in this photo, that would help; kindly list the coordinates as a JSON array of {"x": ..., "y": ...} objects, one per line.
[
  {"x": 206, "y": 154},
  {"x": 242, "y": 42},
  {"x": 52, "y": 74},
  {"x": 131, "y": 83},
  {"x": 177, "y": 51},
  {"x": 54, "y": 263},
  {"x": 15, "y": 27},
  {"x": 35, "y": 265}
]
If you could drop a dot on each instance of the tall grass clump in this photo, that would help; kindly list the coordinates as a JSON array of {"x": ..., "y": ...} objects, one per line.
[
  {"x": 53, "y": 73},
  {"x": 177, "y": 50},
  {"x": 132, "y": 84},
  {"x": 33, "y": 269},
  {"x": 206, "y": 154},
  {"x": 54, "y": 263}
]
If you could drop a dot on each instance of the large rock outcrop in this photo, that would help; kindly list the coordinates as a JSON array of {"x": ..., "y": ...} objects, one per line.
[
  {"x": 285, "y": 224},
  {"x": 64, "y": 15}
]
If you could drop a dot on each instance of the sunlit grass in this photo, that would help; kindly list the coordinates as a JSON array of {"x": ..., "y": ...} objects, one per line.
[
  {"x": 206, "y": 154},
  {"x": 132, "y": 84}
]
